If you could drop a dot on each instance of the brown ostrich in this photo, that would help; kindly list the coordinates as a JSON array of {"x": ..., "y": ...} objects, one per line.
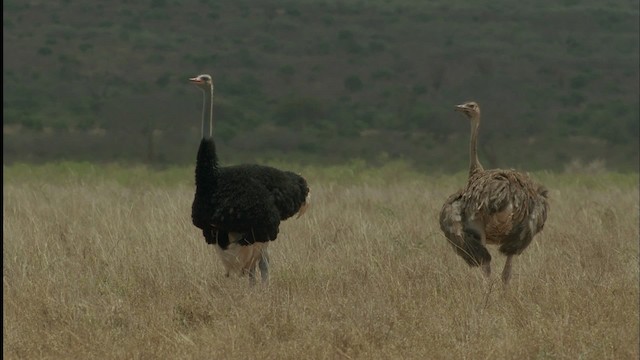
[{"x": 499, "y": 207}]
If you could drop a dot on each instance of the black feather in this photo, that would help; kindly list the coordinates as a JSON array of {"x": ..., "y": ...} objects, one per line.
[
  {"x": 246, "y": 199},
  {"x": 206, "y": 183},
  {"x": 289, "y": 190}
]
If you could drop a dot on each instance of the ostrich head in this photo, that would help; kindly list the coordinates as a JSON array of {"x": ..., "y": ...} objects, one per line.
[
  {"x": 202, "y": 81},
  {"x": 471, "y": 109}
]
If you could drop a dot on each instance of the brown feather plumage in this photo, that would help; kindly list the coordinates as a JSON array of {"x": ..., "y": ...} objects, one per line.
[
  {"x": 503, "y": 199},
  {"x": 501, "y": 207}
]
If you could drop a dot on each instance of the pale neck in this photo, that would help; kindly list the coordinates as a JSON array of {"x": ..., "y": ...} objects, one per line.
[
  {"x": 474, "y": 163},
  {"x": 207, "y": 113}
]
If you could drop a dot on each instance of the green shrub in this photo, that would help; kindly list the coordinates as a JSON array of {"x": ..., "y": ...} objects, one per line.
[
  {"x": 155, "y": 58},
  {"x": 84, "y": 47},
  {"x": 245, "y": 58},
  {"x": 45, "y": 51},
  {"x": 381, "y": 74},
  {"x": 163, "y": 80},
  {"x": 377, "y": 46},
  {"x": 578, "y": 82},
  {"x": 269, "y": 44},
  {"x": 158, "y": 3},
  {"x": 287, "y": 71},
  {"x": 345, "y": 35},
  {"x": 353, "y": 83},
  {"x": 292, "y": 11},
  {"x": 292, "y": 111},
  {"x": 572, "y": 99}
]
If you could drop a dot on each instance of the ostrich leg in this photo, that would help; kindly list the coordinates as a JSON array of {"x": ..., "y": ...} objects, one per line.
[
  {"x": 264, "y": 266},
  {"x": 506, "y": 272},
  {"x": 252, "y": 276}
]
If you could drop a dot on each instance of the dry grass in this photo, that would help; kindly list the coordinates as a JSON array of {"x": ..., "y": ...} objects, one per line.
[{"x": 97, "y": 269}]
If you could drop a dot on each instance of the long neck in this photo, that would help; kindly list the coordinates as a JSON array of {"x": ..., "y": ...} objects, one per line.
[
  {"x": 207, "y": 160},
  {"x": 474, "y": 163},
  {"x": 207, "y": 113},
  {"x": 206, "y": 167}
]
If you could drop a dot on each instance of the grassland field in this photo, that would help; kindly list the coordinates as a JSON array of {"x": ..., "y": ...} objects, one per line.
[{"x": 102, "y": 261}]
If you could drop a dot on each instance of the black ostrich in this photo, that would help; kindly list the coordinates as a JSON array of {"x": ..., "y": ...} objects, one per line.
[{"x": 239, "y": 208}]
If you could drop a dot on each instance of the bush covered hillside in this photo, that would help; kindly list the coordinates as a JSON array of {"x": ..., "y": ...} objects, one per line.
[{"x": 324, "y": 80}]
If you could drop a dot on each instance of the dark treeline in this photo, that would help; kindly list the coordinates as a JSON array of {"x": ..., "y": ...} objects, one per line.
[{"x": 323, "y": 81}]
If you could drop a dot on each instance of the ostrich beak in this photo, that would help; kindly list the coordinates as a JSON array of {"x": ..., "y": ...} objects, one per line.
[
  {"x": 196, "y": 80},
  {"x": 460, "y": 107}
]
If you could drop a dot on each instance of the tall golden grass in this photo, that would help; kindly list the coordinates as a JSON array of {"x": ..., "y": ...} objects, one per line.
[{"x": 101, "y": 268}]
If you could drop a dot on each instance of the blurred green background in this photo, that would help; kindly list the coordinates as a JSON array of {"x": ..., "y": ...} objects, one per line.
[{"x": 323, "y": 82}]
